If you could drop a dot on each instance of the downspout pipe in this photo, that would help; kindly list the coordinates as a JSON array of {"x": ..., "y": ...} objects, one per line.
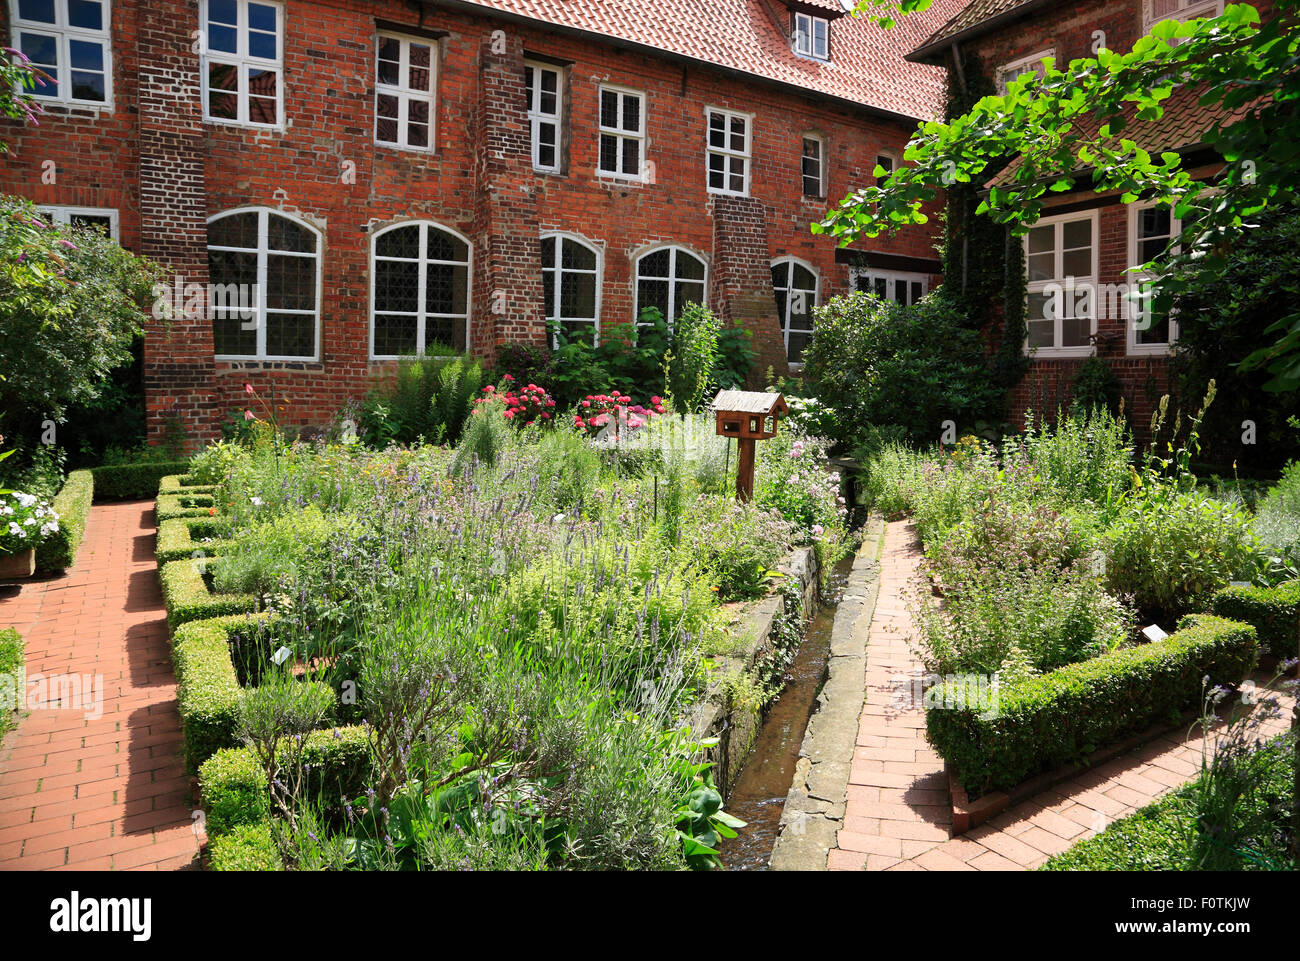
[{"x": 965, "y": 230}]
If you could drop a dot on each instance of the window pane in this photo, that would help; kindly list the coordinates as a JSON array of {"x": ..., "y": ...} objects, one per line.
[
  {"x": 262, "y": 45},
  {"x": 578, "y": 296},
  {"x": 397, "y": 285},
  {"x": 386, "y": 119},
  {"x": 223, "y": 39},
  {"x": 609, "y": 152},
  {"x": 632, "y": 113},
  {"x": 1077, "y": 233},
  {"x": 799, "y": 341},
  {"x": 1042, "y": 266},
  {"x": 1042, "y": 239},
  {"x": 290, "y": 335},
  {"x": 445, "y": 246},
  {"x": 236, "y": 230},
  {"x": 223, "y": 11},
  {"x": 261, "y": 16},
  {"x": 1075, "y": 331},
  {"x": 652, "y": 293},
  {"x": 38, "y": 11},
  {"x": 1040, "y": 333},
  {"x": 85, "y": 56},
  {"x": 223, "y": 82},
  {"x": 655, "y": 264},
  {"x": 689, "y": 266},
  {"x": 1077, "y": 263},
  {"x": 394, "y": 335},
  {"x": 446, "y": 289},
  {"x": 290, "y": 282},
  {"x": 86, "y": 14},
  {"x": 284, "y": 234},
  {"x": 632, "y": 157},
  {"x": 399, "y": 242},
  {"x": 608, "y": 108},
  {"x": 89, "y": 86},
  {"x": 229, "y": 336}
]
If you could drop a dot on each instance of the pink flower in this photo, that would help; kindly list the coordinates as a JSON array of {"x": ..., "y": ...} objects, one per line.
[
  {"x": 509, "y": 415},
  {"x": 248, "y": 388},
  {"x": 248, "y": 415},
  {"x": 656, "y": 400},
  {"x": 586, "y": 403},
  {"x": 507, "y": 377}
]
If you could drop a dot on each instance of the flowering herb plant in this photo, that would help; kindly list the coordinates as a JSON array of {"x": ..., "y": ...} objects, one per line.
[{"x": 25, "y": 521}]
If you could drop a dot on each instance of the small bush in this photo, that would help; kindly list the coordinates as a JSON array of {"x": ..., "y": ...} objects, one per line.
[
  {"x": 12, "y": 660},
  {"x": 1277, "y": 517},
  {"x": 182, "y": 537},
  {"x": 133, "y": 481},
  {"x": 248, "y": 847},
  {"x": 1057, "y": 718},
  {"x": 1274, "y": 612},
  {"x": 1171, "y": 553},
  {"x": 59, "y": 551}
]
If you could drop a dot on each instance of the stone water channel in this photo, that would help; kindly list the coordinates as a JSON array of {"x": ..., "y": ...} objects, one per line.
[{"x": 759, "y": 792}]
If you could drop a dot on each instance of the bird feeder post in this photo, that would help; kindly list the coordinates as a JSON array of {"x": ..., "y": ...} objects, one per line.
[{"x": 748, "y": 416}]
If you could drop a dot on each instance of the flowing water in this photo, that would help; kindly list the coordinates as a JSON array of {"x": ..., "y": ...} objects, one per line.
[{"x": 758, "y": 795}]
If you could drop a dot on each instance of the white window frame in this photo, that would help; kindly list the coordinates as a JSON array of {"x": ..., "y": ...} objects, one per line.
[
  {"x": 810, "y": 48},
  {"x": 63, "y": 215},
  {"x": 674, "y": 250},
  {"x": 726, "y": 152},
  {"x": 1135, "y": 279},
  {"x": 421, "y": 314},
  {"x": 622, "y": 135},
  {"x": 892, "y": 156},
  {"x": 790, "y": 262},
  {"x": 263, "y": 222},
  {"x": 537, "y": 116},
  {"x": 1187, "y": 10},
  {"x": 63, "y": 34},
  {"x": 558, "y": 272},
  {"x": 1039, "y": 286},
  {"x": 406, "y": 95},
  {"x": 870, "y": 275},
  {"x": 1022, "y": 65},
  {"x": 822, "y": 185},
  {"x": 242, "y": 62}
]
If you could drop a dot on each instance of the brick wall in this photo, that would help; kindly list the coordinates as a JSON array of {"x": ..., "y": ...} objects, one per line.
[{"x": 153, "y": 159}]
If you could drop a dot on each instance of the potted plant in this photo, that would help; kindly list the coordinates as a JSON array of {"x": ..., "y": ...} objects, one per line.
[{"x": 25, "y": 521}]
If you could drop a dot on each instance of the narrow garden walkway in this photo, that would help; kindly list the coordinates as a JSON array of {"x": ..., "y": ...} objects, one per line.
[
  {"x": 100, "y": 784},
  {"x": 898, "y": 813}
]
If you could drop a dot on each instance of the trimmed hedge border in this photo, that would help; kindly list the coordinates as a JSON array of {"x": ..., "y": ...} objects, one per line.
[
  {"x": 207, "y": 686},
  {"x": 177, "y": 537},
  {"x": 183, "y": 484},
  {"x": 137, "y": 481},
  {"x": 72, "y": 504},
  {"x": 1053, "y": 719},
  {"x": 170, "y": 506},
  {"x": 12, "y": 661},
  {"x": 237, "y": 798},
  {"x": 187, "y": 598},
  {"x": 1274, "y": 611}
]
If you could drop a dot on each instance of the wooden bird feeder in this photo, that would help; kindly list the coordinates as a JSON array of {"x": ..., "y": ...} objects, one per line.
[{"x": 747, "y": 416}]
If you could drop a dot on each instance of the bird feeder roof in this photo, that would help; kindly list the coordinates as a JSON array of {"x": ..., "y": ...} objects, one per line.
[{"x": 749, "y": 402}]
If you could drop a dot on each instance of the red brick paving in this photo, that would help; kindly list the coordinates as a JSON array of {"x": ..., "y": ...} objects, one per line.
[
  {"x": 898, "y": 814},
  {"x": 106, "y": 792}
]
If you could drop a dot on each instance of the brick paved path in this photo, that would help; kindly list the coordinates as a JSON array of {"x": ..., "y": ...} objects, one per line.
[
  {"x": 898, "y": 814},
  {"x": 109, "y": 792}
]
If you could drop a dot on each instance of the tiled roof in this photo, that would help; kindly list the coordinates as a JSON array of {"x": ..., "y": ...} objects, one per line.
[
  {"x": 977, "y": 16},
  {"x": 749, "y": 36}
]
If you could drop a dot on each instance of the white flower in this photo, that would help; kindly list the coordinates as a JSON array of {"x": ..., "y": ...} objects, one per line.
[
  {"x": 16, "y": 530},
  {"x": 50, "y": 528},
  {"x": 24, "y": 500},
  {"x": 30, "y": 521},
  {"x": 5, "y": 509},
  {"x": 255, "y": 501}
]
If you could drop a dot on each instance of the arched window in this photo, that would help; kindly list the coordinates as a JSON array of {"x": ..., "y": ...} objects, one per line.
[
  {"x": 264, "y": 268},
  {"x": 571, "y": 279},
  {"x": 669, "y": 278},
  {"x": 419, "y": 290},
  {"x": 795, "y": 285}
]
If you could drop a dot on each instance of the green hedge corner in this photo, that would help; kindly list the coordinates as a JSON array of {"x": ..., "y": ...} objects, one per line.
[
  {"x": 187, "y": 597},
  {"x": 1274, "y": 612},
  {"x": 124, "y": 482},
  {"x": 72, "y": 504}
]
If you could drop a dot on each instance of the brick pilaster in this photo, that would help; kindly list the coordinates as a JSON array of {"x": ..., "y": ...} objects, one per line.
[{"x": 742, "y": 280}]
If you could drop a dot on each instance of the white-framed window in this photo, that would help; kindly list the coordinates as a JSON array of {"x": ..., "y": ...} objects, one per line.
[
  {"x": 571, "y": 273},
  {"x": 1061, "y": 261},
  {"x": 622, "y": 133},
  {"x": 887, "y": 160},
  {"x": 545, "y": 86},
  {"x": 728, "y": 139},
  {"x": 103, "y": 217},
  {"x": 796, "y": 287},
  {"x": 242, "y": 64},
  {"x": 69, "y": 40},
  {"x": 272, "y": 311},
  {"x": 406, "y": 81},
  {"x": 813, "y": 165},
  {"x": 1151, "y": 229},
  {"x": 811, "y": 36},
  {"x": 1033, "y": 63},
  {"x": 903, "y": 287},
  {"x": 669, "y": 278},
  {"x": 419, "y": 290},
  {"x": 1153, "y": 11}
]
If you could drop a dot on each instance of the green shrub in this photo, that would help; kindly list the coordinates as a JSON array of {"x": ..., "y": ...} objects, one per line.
[
  {"x": 875, "y": 362},
  {"x": 59, "y": 552},
  {"x": 1274, "y": 612},
  {"x": 1171, "y": 553},
  {"x": 12, "y": 661},
  {"x": 184, "y": 484},
  {"x": 267, "y": 551},
  {"x": 248, "y": 847},
  {"x": 1084, "y": 457},
  {"x": 1277, "y": 517},
  {"x": 427, "y": 398},
  {"x": 890, "y": 477},
  {"x": 188, "y": 598},
  {"x": 1054, "y": 719},
  {"x": 181, "y": 537},
  {"x": 133, "y": 481},
  {"x": 213, "y": 464},
  {"x": 691, "y": 357}
]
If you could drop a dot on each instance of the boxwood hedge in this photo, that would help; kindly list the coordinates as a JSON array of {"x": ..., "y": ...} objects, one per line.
[
  {"x": 183, "y": 484},
  {"x": 249, "y": 847},
  {"x": 133, "y": 481},
  {"x": 187, "y": 597},
  {"x": 72, "y": 504},
  {"x": 1056, "y": 718},
  {"x": 12, "y": 660},
  {"x": 1274, "y": 611},
  {"x": 182, "y": 537},
  {"x": 207, "y": 686},
  {"x": 169, "y": 506}
]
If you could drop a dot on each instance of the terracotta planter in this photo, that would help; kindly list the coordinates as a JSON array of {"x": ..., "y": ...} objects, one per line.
[{"x": 22, "y": 564}]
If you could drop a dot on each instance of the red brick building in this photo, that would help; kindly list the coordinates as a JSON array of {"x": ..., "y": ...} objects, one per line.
[
  {"x": 384, "y": 177},
  {"x": 1085, "y": 239}
]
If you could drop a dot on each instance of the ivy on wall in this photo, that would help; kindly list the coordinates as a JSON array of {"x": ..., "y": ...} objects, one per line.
[{"x": 983, "y": 265}]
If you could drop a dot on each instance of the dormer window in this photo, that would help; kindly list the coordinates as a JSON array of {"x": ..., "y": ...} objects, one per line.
[{"x": 812, "y": 36}]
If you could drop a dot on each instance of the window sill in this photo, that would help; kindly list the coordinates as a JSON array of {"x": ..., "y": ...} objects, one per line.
[
  {"x": 1059, "y": 353},
  {"x": 270, "y": 363},
  {"x": 239, "y": 125}
]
